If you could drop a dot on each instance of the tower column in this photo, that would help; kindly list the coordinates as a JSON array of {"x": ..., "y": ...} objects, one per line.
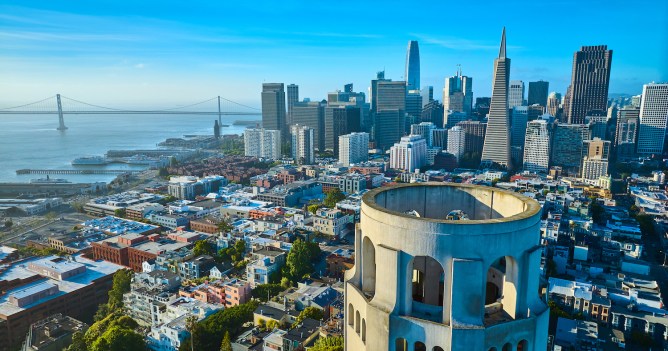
[{"x": 61, "y": 120}]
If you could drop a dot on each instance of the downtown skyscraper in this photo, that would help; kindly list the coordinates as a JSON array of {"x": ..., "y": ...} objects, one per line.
[
  {"x": 413, "y": 66},
  {"x": 458, "y": 94},
  {"x": 496, "y": 149},
  {"x": 590, "y": 80},
  {"x": 538, "y": 93},
  {"x": 653, "y": 118},
  {"x": 273, "y": 108}
]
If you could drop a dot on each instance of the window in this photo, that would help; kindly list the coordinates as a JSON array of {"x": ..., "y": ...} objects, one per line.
[
  {"x": 419, "y": 346},
  {"x": 400, "y": 344}
]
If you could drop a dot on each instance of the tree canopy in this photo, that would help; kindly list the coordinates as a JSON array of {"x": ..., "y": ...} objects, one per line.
[
  {"x": 333, "y": 196},
  {"x": 309, "y": 312},
  {"x": 330, "y": 343},
  {"x": 301, "y": 257}
]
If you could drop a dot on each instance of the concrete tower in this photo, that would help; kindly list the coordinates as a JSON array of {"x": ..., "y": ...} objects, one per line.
[
  {"x": 293, "y": 98},
  {"x": 653, "y": 118},
  {"x": 496, "y": 149},
  {"x": 446, "y": 267},
  {"x": 589, "y": 82},
  {"x": 413, "y": 66}
]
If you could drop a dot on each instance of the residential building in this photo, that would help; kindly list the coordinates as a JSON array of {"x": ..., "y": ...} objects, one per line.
[
  {"x": 188, "y": 187},
  {"x": 439, "y": 138},
  {"x": 457, "y": 141},
  {"x": 595, "y": 161},
  {"x": 516, "y": 93},
  {"x": 149, "y": 293},
  {"x": 653, "y": 117},
  {"x": 293, "y": 194},
  {"x": 263, "y": 264},
  {"x": 262, "y": 143},
  {"x": 303, "y": 146},
  {"x": 590, "y": 80},
  {"x": 537, "y": 147},
  {"x": 353, "y": 148},
  {"x": 538, "y": 93},
  {"x": 496, "y": 149},
  {"x": 273, "y": 109},
  {"x": 409, "y": 154},
  {"x": 475, "y": 136},
  {"x": 352, "y": 183},
  {"x": 196, "y": 268},
  {"x": 332, "y": 222}
]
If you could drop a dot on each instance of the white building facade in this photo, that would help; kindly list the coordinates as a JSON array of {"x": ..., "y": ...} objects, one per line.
[
  {"x": 456, "y": 141},
  {"x": 262, "y": 143},
  {"x": 537, "y": 147},
  {"x": 409, "y": 154},
  {"x": 353, "y": 148},
  {"x": 653, "y": 117},
  {"x": 303, "y": 144}
]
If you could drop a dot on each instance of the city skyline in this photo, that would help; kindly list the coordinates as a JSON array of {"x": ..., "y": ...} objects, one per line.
[{"x": 178, "y": 54}]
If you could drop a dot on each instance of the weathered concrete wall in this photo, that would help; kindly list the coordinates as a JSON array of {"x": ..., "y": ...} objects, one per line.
[{"x": 502, "y": 224}]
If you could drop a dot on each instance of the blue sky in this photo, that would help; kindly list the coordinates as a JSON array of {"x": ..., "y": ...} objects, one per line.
[{"x": 166, "y": 53}]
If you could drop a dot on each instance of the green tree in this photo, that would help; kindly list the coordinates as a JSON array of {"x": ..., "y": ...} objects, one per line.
[
  {"x": 225, "y": 227},
  {"x": 330, "y": 343},
  {"x": 597, "y": 212},
  {"x": 9, "y": 223},
  {"x": 263, "y": 292},
  {"x": 309, "y": 312},
  {"x": 163, "y": 172},
  {"x": 191, "y": 327},
  {"x": 203, "y": 247},
  {"x": 299, "y": 262},
  {"x": 333, "y": 196},
  {"x": 120, "y": 286},
  {"x": 117, "y": 338},
  {"x": 226, "y": 344},
  {"x": 119, "y": 212},
  {"x": 78, "y": 342},
  {"x": 314, "y": 208}
]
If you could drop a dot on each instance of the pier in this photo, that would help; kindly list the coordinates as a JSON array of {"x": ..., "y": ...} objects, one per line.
[{"x": 77, "y": 171}]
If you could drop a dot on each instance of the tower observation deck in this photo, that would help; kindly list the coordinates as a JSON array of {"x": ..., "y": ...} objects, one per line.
[{"x": 424, "y": 282}]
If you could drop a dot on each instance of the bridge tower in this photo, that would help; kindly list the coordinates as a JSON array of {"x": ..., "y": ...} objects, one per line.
[
  {"x": 220, "y": 122},
  {"x": 61, "y": 120}
]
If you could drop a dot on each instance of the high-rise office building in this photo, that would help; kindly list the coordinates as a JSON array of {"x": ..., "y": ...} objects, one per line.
[
  {"x": 653, "y": 117},
  {"x": 496, "y": 149},
  {"x": 457, "y": 141},
  {"x": 482, "y": 106},
  {"x": 433, "y": 112},
  {"x": 595, "y": 160},
  {"x": 303, "y": 144},
  {"x": 293, "y": 98},
  {"x": 589, "y": 82},
  {"x": 538, "y": 93},
  {"x": 390, "y": 95},
  {"x": 413, "y": 66},
  {"x": 340, "y": 119},
  {"x": 273, "y": 108},
  {"x": 627, "y": 132},
  {"x": 262, "y": 143},
  {"x": 414, "y": 106},
  {"x": 567, "y": 143},
  {"x": 635, "y": 100},
  {"x": 353, "y": 148},
  {"x": 424, "y": 129},
  {"x": 553, "y": 104},
  {"x": 516, "y": 93},
  {"x": 427, "y": 95},
  {"x": 409, "y": 154},
  {"x": 312, "y": 114},
  {"x": 388, "y": 127},
  {"x": 439, "y": 138},
  {"x": 452, "y": 118},
  {"x": 537, "y": 147},
  {"x": 598, "y": 124},
  {"x": 458, "y": 93},
  {"x": 475, "y": 136},
  {"x": 518, "y": 125}
]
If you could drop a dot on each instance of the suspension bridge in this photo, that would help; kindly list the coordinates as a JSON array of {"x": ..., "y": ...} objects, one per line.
[{"x": 61, "y": 105}]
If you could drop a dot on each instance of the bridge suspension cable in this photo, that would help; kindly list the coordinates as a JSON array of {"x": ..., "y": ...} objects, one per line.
[{"x": 28, "y": 104}]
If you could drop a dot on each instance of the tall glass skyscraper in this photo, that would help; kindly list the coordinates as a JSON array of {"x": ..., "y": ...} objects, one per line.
[
  {"x": 589, "y": 82},
  {"x": 653, "y": 118},
  {"x": 413, "y": 66},
  {"x": 458, "y": 93},
  {"x": 273, "y": 107},
  {"x": 496, "y": 149}
]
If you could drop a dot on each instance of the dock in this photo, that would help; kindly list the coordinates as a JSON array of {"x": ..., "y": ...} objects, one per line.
[{"x": 77, "y": 171}]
